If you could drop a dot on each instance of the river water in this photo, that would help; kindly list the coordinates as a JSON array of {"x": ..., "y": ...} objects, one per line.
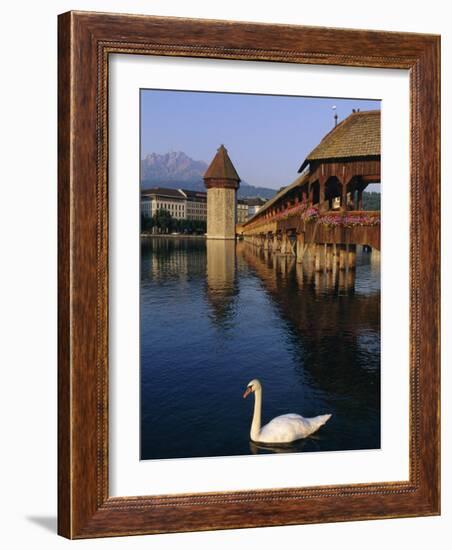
[{"x": 215, "y": 315}]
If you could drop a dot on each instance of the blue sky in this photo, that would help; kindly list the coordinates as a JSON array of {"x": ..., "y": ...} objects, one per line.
[{"x": 267, "y": 137}]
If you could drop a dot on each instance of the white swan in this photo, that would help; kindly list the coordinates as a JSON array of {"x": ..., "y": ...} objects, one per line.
[{"x": 282, "y": 429}]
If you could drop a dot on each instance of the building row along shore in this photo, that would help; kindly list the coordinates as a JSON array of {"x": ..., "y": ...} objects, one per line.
[{"x": 186, "y": 204}]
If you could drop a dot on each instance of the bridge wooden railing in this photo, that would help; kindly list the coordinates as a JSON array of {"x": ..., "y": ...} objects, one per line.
[
  {"x": 292, "y": 217},
  {"x": 327, "y": 226}
]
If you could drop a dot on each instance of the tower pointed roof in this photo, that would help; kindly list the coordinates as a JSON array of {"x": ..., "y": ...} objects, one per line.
[{"x": 221, "y": 167}]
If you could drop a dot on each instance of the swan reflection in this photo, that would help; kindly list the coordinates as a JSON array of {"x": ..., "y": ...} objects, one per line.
[{"x": 309, "y": 444}]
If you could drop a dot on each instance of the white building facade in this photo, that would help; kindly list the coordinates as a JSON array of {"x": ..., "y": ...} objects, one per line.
[
  {"x": 182, "y": 204},
  {"x": 196, "y": 204},
  {"x": 160, "y": 198},
  {"x": 242, "y": 211}
]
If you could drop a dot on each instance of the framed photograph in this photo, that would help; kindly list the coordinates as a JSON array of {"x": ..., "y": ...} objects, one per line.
[{"x": 248, "y": 275}]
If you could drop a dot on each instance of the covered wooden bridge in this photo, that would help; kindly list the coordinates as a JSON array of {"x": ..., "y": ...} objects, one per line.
[{"x": 319, "y": 217}]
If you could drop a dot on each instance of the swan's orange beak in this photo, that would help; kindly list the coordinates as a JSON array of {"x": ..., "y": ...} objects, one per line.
[{"x": 247, "y": 392}]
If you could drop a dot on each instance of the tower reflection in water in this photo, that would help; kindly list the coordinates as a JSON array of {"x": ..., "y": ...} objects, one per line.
[{"x": 221, "y": 282}]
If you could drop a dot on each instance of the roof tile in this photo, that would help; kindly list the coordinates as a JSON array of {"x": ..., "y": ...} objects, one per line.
[
  {"x": 356, "y": 136},
  {"x": 221, "y": 166}
]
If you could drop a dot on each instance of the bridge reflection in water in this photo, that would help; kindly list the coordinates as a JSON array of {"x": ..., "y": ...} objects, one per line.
[
  {"x": 215, "y": 314},
  {"x": 324, "y": 311}
]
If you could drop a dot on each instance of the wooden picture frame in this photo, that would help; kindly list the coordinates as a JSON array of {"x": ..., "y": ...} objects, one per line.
[{"x": 86, "y": 40}]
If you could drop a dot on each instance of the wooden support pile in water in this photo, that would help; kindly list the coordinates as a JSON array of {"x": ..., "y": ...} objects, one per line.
[{"x": 324, "y": 256}]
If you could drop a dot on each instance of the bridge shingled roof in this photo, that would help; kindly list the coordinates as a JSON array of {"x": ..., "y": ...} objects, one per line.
[
  {"x": 298, "y": 182},
  {"x": 221, "y": 166},
  {"x": 356, "y": 136}
]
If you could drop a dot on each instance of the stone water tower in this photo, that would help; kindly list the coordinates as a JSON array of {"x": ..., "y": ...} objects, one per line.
[{"x": 222, "y": 182}]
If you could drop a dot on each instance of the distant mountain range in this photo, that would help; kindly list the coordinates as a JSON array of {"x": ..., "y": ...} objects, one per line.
[{"x": 176, "y": 170}]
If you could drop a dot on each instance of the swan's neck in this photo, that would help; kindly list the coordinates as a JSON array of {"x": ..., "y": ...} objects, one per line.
[{"x": 256, "y": 423}]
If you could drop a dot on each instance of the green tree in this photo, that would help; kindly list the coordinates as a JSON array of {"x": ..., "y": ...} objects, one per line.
[
  {"x": 371, "y": 200},
  {"x": 147, "y": 223},
  {"x": 163, "y": 220}
]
